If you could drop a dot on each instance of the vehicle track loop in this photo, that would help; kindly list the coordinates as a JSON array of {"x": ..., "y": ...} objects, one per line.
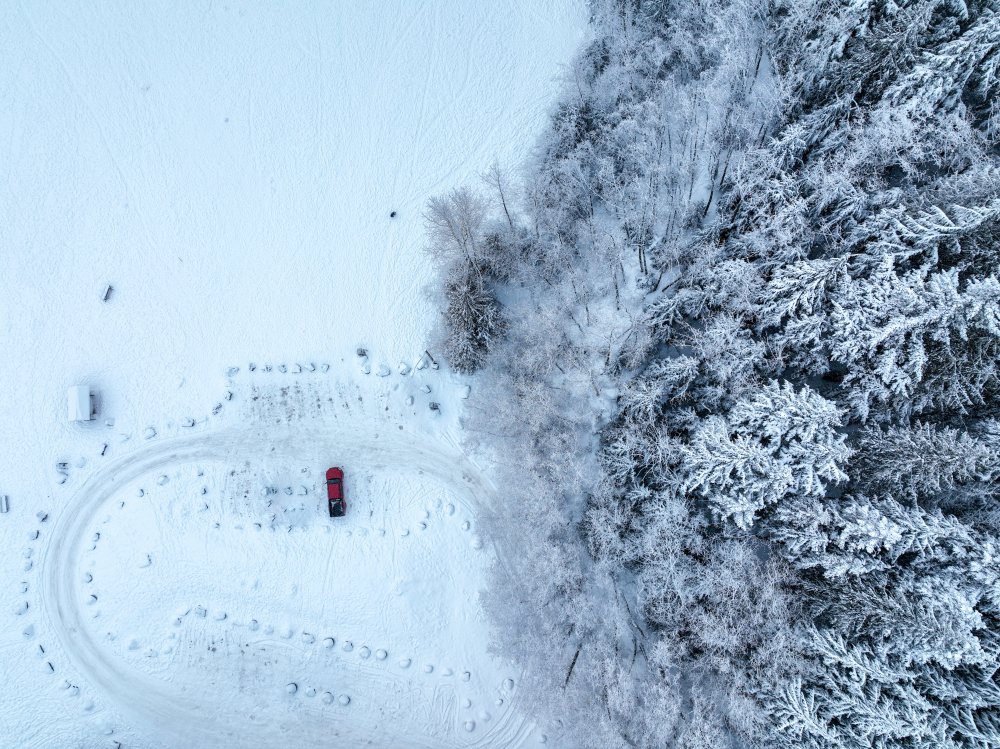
[{"x": 188, "y": 715}]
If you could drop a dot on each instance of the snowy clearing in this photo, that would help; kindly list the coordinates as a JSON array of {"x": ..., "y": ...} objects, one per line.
[
  {"x": 378, "y": 608},
  {"x": 229, "y": 171}
]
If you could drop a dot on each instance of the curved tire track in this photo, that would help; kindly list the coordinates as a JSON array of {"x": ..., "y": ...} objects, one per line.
[{"x": 183, "y": 716}]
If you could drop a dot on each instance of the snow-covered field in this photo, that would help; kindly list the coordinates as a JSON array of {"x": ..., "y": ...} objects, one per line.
[{"x": 230, "y": 169}]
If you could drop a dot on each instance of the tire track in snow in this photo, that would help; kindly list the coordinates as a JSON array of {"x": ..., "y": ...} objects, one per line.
[{"x": 189, "y": 715}]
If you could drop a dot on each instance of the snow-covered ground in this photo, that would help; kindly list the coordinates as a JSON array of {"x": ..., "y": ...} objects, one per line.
[{"x": 230, "y": 169}]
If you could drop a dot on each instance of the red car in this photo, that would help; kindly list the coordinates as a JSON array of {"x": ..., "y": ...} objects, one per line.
[{"x": 335, "y": 492}]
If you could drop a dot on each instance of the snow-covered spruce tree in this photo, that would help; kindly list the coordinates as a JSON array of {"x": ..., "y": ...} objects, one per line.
[
  {"x": 933, "y": 466},
  {"x": 903, "y": 649},
  {"x": 473, "y": 316},
  {"x": 778, "y": 444}
]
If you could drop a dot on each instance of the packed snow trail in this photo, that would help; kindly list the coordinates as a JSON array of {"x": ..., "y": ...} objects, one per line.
[{"x": 191, "y": 715}]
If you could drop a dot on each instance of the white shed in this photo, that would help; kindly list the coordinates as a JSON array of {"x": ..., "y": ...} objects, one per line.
[{"x": 79, "y": 401}]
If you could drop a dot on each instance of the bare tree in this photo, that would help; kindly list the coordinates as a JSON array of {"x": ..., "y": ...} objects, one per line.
[
  {"x": 455, "y": 226},
  {"x": 497, "y": 179}
]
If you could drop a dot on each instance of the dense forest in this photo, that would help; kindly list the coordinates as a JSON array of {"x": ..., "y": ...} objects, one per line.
[{"x": 739, "y": 323}]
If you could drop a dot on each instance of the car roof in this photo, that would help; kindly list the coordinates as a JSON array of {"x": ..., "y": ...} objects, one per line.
[{"x": 334, "y": 473}]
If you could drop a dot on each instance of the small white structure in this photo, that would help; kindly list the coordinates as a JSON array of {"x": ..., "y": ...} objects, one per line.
[{"x": 80, "y": 403}]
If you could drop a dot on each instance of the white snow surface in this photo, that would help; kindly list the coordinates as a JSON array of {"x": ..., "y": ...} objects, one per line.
[{"x": 171, "y": 576}]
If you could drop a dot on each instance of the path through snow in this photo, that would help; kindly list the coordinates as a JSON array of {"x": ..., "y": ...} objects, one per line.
[{"x": 392, "y": 702}]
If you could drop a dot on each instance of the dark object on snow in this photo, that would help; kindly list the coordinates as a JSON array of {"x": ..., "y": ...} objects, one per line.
[
  {"x": 335, "y": 493},
  {"x": 435, "y": 406},
  {"x": 392, "y": 215},
  {"x": 4, "y": 503},
  {"x": 362, "y": 352},
  {"x": 108, "y": 291}
]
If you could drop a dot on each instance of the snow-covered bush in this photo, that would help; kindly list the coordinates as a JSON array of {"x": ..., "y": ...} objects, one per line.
[{"x": 473, "y": 319}]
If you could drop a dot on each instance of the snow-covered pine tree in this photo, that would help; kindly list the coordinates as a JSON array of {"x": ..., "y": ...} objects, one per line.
[
  {"x": 780, "y": 443},
  {"x": 474, "y": 319}
]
